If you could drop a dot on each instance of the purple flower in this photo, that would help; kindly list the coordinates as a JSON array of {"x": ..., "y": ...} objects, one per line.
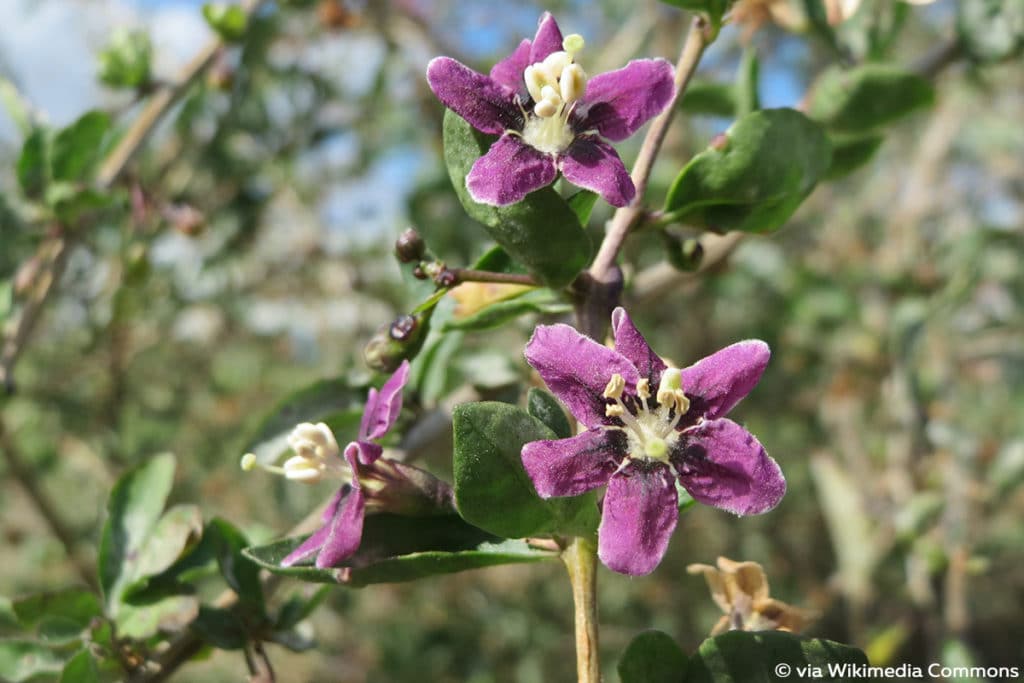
[
  {"x": 551, "y": 117},
  {"x": 649, "y": 425},
  {"x": 342, "y": 530}
]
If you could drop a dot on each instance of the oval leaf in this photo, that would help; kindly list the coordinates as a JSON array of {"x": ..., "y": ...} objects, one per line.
[
  {"x": 493, "y": 491},
  {"x": 542, "y": 232},
  {"x": 755, "y": 176},
  {"x": 771, "y": 657},
  {"x": 396, "y": 548},
  {"x": 652, "y": 657},
  {"x": 862, "y": 99}
]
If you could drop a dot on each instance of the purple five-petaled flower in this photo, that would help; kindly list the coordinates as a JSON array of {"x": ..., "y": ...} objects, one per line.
[
  {"x": 647, "y": 426},
  {"x": 342, "y": 530},
  {"x": 551, "y": 117}
]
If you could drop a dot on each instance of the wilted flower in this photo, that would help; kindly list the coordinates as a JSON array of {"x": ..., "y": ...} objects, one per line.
[
  {"x": 371, "y": 482},
  {"x": 648, "y": 426},
  {"x": 551, "y": 117},
  {"x": 741, "y": 590}
]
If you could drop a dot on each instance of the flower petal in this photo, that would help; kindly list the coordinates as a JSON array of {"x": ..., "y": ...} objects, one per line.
[
  {"x": 619, "y": 102},
  {"x": 577, "y": 369},
  {"x": 573, "y": 466},
  {"x": 717, "y": 383},
  {"x": 547, "y": 40},
  {"x": 346, "y": 530},
  {"x": 486, "y": 105},
  {"x": 312, "y": 544},
  {"x": 631, "y": 344},
  {"x": 382, "y": 407},
  {"x": 509, "y": 71},
  {"x": 592, "y": 164},
  {"x": 508, "y": 172},
  {"x": 721, "y": 464},
  {"x": 639, "y": 515}
]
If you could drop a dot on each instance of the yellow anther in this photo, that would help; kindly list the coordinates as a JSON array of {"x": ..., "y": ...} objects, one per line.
[
  {"x": 298, "y": 468},
  {"x": 615, "y": 386},
  {"x": 572, "y": 83},
  {"x": 545, "y": 109},
  {"x": 249, "y": 462},
  {"x": 643, "y": 388},
  {"x": 535, "y": 81},
  {"x": 553, "y": 64},
  {"x": 614, "y": 410},
  {"x": 670, "y": 391}
]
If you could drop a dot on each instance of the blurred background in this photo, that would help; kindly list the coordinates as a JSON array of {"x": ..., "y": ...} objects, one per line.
[{"x": 255, "y": 256}]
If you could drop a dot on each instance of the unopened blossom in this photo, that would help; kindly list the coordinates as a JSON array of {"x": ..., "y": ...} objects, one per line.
[
  {"x": 370, "y": 482},
  {"x": 741, "y": 590},
  {"x": 552, "y": 117},
  {"x": 649, "y": 425},
  {"x": 839, "y": 11}
]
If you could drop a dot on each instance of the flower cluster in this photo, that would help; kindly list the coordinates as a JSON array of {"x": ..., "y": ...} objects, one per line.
[
  {"x": 649, "y": 425},
  {"x": 551, "y": 117}
]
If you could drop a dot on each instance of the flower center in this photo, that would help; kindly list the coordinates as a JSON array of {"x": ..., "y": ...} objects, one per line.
[
  {"x": 555, "y": 85},
  {"x": 317, "y": 456},
  {"x": 650, "y": 431}
]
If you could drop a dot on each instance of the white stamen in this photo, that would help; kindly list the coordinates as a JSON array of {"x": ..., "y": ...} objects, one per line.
[
  {"x": 545, "y": 109},
  {"x": 572, "y": 83},
  {"x": 615, "y": 386},
  {"x": 535, "y": 81},
  {"x": 553, "y": 64}
]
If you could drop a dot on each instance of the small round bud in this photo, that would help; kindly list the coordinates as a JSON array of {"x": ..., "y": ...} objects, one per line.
[
  {"x": 419, "y": 273},
  {"x": 401, "y": 340},
  {"x": 409, "y": 246},
  {"x": 248, "y": 462},
  {"x": 719, "y": 143},
  {"x": 446, "y": 278}
]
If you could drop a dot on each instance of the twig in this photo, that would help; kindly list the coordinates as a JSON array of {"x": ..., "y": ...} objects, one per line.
[
  {"x": 581, "y": 562},
  {"x": 626, "y": 217},
  {"x": 456, "y": 276},
  {"x": 47, "y": 510},
  {"x": 932, "y": 63}
]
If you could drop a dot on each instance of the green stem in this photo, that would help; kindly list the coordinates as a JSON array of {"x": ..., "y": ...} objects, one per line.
[{"x": 580, "y": 559}]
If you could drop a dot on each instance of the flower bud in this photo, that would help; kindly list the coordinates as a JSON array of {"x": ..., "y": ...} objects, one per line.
[
  {"x": 401, "y": 340},
  {"x": 409, "y": 247}
]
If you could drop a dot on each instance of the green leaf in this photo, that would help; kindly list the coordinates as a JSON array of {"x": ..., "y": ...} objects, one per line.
[
  {"x": 506, "y": 310},
  {"x": 22, "y": 660},
  {"x": 493, "y": 491},
  {"x": 71, "y": 202},
  {"x": 770, "y": 657},
  {"x": 496, "y": 260},
  {"x": 241, "y": 575},
  {"x": 228, "y": 21},
  {"x": 58, "y": 617},
  {"x": 582, "y": 204},
  {"x": 652, "y": 657},
  {"x": 179, "y": 528},
  {"x": 755, "y": 176},
  {"x": 542, "y": 232},
  {"x": 298, "y": 608},
  {"x": 747, "y": 99},
  {"x": 141, "y": 621},
  {"x": 313, "y": 403},
  {"x": 713, "y": 9},
  {"x": 850, "y": 153},
  {"x": 709, "y": 99},
  {"x": 6, "y": 300},
  {"x": 221, "y": 628},
  {"x": 133, "y": 509},
  {"x": 862, "y": 99},
  {"x": 991, "y": 30},
  {"x": 546, "y": 408},
  {"x": 81, "y": 669},
  {"x": 396, "y": 548},
  {"x": 33, "y": 164},
  {"x": 125, "y": 61},
  {"x": 77, "y": 148}
]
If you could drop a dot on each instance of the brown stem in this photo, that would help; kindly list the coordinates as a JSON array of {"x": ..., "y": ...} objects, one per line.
[
  {"x": 625, "y": 218},
  {"x": 24, "y": 475},
  {"x": 461, "y": 275},
  {"x": 580, "y": 559}
]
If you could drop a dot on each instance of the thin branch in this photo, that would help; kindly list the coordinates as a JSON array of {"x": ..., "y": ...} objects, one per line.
[
  {"x": 581, "y": 562},
  {"x": 933, "y": 63},
  {"x": 461, "y": 275},
  {"x": 24, "y": 475},
  {"x": 625, "y": 218}
]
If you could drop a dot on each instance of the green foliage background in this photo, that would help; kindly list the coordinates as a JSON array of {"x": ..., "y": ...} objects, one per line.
[{"x": 893, "y": 301}]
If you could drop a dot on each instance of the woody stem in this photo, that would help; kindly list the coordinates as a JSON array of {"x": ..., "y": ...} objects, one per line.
[{"x": 580, "y": 559}]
